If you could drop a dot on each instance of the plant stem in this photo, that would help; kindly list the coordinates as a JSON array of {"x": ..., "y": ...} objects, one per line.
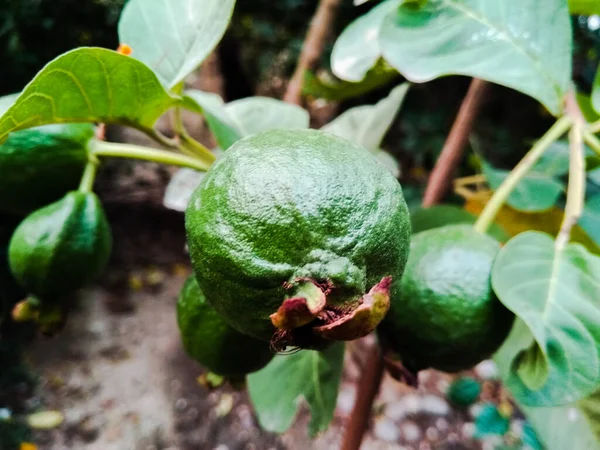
[
  {"x": 492, "y": 208},
  {"x": 441, "y": 175},
  {"x": 312, "y": 49},
  {"x": 89, "y": 175},
  {"x": 119, "y": 150},
  {"x": 196, "y": 147},
  {"x": 370, "y": 380},
  {"x": 595, "y": 127},
  {"x": 576, "y": 189}
]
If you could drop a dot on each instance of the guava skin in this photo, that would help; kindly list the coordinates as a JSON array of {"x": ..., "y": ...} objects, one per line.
[
  {"x": 444, "y": 313},
  {"x": 208, "y": 339},
  {"x": 40, "y": 165},
  {"x": 294, "y": 204},
  {"x": 61, "y": 247}
]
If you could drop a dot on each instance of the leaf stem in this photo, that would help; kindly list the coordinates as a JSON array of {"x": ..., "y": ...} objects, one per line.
[
  {"x": 576, "y": 189},
  {"x": 89, "y": 175},
  {"x": 594, "y": 127},
  {"x": 492, "y": 208},
  {"x": 120, "y": 150}
]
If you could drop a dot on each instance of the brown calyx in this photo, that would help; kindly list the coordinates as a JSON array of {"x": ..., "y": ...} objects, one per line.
[{"x": 306, "y": 320}]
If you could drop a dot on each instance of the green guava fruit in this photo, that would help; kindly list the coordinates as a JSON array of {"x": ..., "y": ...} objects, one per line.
[
  {"x": 40, "y": 165},
  {"x": 444, "y": 313},
  {"x": 61, "y": 247},
  {"x": 208, "y": 339},
  {"x": 295, "y": 236}
]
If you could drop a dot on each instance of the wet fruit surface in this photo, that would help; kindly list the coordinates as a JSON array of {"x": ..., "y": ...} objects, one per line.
[
  {"x": 208, "y": 339},
  {"x": 285, "y": 210},
  {"x": 444, "y": 313},
  {"x": 40, "y": 165},
  {"x": 61, "y": 247}
]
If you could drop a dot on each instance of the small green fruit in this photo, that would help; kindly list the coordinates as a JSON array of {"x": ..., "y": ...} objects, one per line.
[
  {"x": 464, "y": 391},
  {"x": 61, "y": 247},
  {"x": 295, "y": 236},
  {"x": 208, "y": 339},
  {"x": 40, "y": 165},
  {"x": 444, "y": 314}
]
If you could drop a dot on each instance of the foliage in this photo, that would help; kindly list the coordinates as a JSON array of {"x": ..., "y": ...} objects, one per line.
[{"x": 549, "y": 282}]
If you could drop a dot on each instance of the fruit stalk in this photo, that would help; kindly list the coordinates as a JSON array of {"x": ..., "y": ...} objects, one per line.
[
  {"x": 120, "y": 150},
  {"x": 89, "y": 176},
  {"x": 492, "y": 208}
]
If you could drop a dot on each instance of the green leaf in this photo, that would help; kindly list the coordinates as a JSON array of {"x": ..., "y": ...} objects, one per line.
[
  {"x": 525, "y": 45},
  {"x": 555, "y": 160},
  {"x": 584, "y": 7},
  {"x": 596, "y": 92},
  {"x": 174, "y": 36},
  {"x": 438, "y": 216},
  {"x": 590, "y": 219},
  {"x": 89, "y": 85},
  {"x": 550, "y": 422},
  {"x": 585, "y": 104},
  {"x": 233, "y": 121},
  {"x": 489, "y": 421},
  {"x": 330, "y": 88},
  {"x": 258, "y": 114},
  {"x": 367, "y": 125},
  {"x": 536, "y": 191},
  {"x": 212, "y": 107},
  {"x": 308, "y": 376},
  {"x": 555, "y": 293},
  {"x": 357, "y": 50}
]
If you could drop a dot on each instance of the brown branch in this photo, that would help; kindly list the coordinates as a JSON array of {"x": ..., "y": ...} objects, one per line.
[
  {"x": 368, "y": 386},
  {"x": 441, "y": 176},
  {"x": 312, "y": 49}
]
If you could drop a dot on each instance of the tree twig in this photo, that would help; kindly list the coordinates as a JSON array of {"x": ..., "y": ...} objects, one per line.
[
  {"x": 312, "y": 49},
  {"x": 441, "y": 176},
  {"x": 370, "y": 380}
]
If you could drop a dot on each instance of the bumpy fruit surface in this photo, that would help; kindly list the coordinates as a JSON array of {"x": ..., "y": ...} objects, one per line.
[
  {"x": 61, "y": 247},
  {"x": 444, "y": 314},
  {"x": 295, "y": 236},
  {"x": 40, "y": 165},
  {"x": 208, "y": 339}
]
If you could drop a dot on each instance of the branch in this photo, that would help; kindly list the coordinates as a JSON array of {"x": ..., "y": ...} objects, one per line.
[
  {"x": 368, "y": 386},
  {"x": 312, "y": 48},
  {"x": 441, "y": 176}
]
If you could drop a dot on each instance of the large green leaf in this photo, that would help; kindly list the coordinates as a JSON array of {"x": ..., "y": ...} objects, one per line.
[
  {"x": 537, "y": 191},
  {"x": 584, "y": 7},
  {"x": 559, "y": 427},
  {"x": 357, "y": 49},
  {"x": 367, "y": 125},
  {"x": 555, "y": 293},
  {"x": 212, "y": 107},
  {"x": 308, "y": 376},
  {"x": 233, "y": 121},
  {"x": 257, "y": 114},
  {"x": 525, "y": 45},
  {"x": 590, "y": 220},
  {"x": 330, "y": 88},
  {"x": 174, "y": 36},
  {"x": 89, "y": 85}
]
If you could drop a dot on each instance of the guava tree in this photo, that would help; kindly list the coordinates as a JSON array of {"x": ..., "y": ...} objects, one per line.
[{"x": 299, "y": 239}]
